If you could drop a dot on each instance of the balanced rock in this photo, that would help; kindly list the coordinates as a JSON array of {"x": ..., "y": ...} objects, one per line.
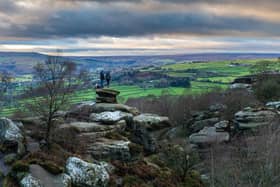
[
  {"x": 86, "y": 174},
  {"x": 110, "y": 117},
  {"x": 147, "y": 129},
  {"x": 252, "y": 118},
  {"x": 106, "y": 95},
  {"x": 209, "y": 135},
  {"x": 11, "y": 135}
]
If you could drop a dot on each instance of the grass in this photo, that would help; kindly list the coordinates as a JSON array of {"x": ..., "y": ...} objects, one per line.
[{"x": 224, "y": 73}]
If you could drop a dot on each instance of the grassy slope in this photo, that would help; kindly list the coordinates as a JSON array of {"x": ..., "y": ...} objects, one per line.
[{"x": 199, "y": 86}]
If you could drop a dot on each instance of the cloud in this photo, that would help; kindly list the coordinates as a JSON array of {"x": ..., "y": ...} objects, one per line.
[
  {"x": 106, "y": 21},
  {"x": 53, "y": 22}
]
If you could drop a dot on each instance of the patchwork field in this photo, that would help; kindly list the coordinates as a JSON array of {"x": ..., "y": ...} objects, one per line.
[{"x": 205, "y": 76}]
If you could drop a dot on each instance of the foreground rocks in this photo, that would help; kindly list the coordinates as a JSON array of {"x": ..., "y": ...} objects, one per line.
[
  {"x": 11, "y": 134},
  {"x": 38, "y": 176},
  {"x": 86, "y": 174}
]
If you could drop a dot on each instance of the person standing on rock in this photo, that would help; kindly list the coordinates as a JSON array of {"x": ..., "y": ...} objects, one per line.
[
  {"x": 102, "y": 78},
  {"x": 108, "y": 78}
]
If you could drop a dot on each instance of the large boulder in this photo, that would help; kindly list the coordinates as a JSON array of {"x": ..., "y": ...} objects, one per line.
[
  {"x": 110, "y": 117},
  {"x": 147, "y": 130},
  {"x": 110, "y": 149},
  {"x": 105, "y": 107},
  {"x": 252, "y": 118},
  {"x": 85, "y": 174},
  {"x": 209, "y": 135},
  {"x": 11, "y": 135}
]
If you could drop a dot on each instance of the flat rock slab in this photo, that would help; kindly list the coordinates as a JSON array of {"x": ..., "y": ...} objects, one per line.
[
  {"x": 47, "y": 179},
  {"x": 110, "y": 117},
  {"x": 84, "y": 127}
]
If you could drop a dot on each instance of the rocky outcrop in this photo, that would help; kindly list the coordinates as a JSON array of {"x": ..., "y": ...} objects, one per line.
[
  {"x": 11, "y": 135},
  {"x": 252, "y": 118},
  {"x": 106, "y": 95},
  {"x": 86, "y": 174},
  {"x": 147, "y": 129},
  {"x": 209, "y": 135},
  {"x": 110, "y": 117},
  {"x": 107, "y": 148}
]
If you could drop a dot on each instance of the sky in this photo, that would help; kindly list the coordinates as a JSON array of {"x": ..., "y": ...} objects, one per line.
[{"x": 139, "y": 27}]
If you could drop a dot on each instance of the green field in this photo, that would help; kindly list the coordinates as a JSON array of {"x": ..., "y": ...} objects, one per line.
[{"x": 224, "y": 75}]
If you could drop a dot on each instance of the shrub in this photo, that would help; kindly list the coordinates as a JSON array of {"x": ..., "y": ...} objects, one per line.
[{"x": 267, "y": 88}]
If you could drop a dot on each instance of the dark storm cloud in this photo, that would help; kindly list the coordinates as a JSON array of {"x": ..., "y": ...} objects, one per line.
[{"x": 112, "y": 22}]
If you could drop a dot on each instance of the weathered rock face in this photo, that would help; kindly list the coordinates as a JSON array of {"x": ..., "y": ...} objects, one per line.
[
  {"x": 147, "y": 129},
  {"x": 86, "y": 174},
  {"x": 10, "y": 134},
  {"x": 110, "y": 117},
  {"x": 106, "y": 95},
  {"x": 209, "y": 135},
  {"x": 252, "y": 118},
  {"x": 198, "y": 125},
  {"x": 84, "y": 134},
  {"x": 275, "y": 104},
  {"x": 113, "y": 149}
]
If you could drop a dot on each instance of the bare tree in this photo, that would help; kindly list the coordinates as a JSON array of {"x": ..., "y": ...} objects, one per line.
[
  {"x": 5, "y": 82},
  {"x": 55, "y": 80}
]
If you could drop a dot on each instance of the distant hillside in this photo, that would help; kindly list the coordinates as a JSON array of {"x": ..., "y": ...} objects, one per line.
[{"x": 22, "y": 63}]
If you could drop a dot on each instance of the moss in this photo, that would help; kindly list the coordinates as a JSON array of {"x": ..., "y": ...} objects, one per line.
[
  {"x": 10, "y": 158},
  {"x": 52, "y": 167},
  {"x": 10, "y": 182},
  {"x": 155, "y": 159},
  {"x": 192, "y": 180},
  {"x": 135, "y": 149},
  {"x": 115, "y": 136},
  {"x": 133, "y": 181},
  {"x": 20, "y": 166}
]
